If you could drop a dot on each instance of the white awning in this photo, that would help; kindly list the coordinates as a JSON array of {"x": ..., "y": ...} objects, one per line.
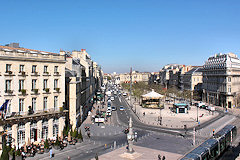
[{"x": 152, "y": 94}]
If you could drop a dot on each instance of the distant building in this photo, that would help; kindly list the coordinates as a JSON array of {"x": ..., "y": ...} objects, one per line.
[
  {"x": 171, "y": 75},
  {"x": 192, "y": 81},
  {"x": 136, "y": 77},
  {"x": 221, "y": 77},
  {"x": 154, "y": 78}
]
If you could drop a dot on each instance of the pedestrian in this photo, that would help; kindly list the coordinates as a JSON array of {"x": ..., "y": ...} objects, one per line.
[
  {"x": 96, "y": 156},
  {"x": 143, "y": 113},
  {"x": 127, "y": 147},
  {"x": 159, "y": 157},
  {"x": 163, "y": 158},
  {"x": 50, "y": 152}
]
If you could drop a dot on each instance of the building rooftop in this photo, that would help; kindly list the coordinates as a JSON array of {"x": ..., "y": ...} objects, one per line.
[
  {"x": 195, "y": 70},
  {"x": 20, "y": 49}
]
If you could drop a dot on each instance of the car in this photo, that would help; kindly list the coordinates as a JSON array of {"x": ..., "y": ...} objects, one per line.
[
  {"x": 124, "y": 94},
  {"x": 114, "y": 108},
  {"x": 112, "y": 98},
  {"x": 121, "y": 108},
  {"x": 109, "y": 113}
]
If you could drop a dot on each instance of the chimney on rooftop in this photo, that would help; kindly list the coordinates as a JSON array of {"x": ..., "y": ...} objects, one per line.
[
  {"x": 13, "y": 45},
  {"x": 83, "y": 50}
]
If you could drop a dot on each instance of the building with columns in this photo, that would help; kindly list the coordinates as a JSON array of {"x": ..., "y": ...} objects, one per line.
[
  {"x": 34, "y": 83},
  {"x": 221, "y": 79}
]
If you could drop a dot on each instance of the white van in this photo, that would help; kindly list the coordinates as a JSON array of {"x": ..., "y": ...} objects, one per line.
[{"x": 201, "y": 104}]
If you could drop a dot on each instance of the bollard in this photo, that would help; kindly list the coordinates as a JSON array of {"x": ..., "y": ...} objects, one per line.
[{"x": 114, "y": 144}]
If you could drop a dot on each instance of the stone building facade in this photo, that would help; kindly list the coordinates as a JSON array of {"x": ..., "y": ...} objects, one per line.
[
  {"x": 83, "y": 79},
  {"x": 34, "y": 83},
  {"x": 221, "y": 80},
  {"x": 136, "y": 77}
]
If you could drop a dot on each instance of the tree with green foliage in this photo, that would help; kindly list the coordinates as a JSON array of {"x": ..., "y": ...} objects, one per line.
[
  {"x": 18, "y": 153},
  {"x": 12, "y": 151},
  {"x": 5, "y": 150},
  {"x": 125, "y": 86},
  {"x": 109, "y": 78},
  {"x": 46, "y": 144},
  {"x": 80, "y": 136},
  {"x": 57, "y": 143},
  {"x": 75, "y": 133}
]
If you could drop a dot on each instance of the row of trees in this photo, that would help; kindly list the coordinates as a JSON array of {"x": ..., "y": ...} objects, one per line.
[{"x": 141, "y": 88}]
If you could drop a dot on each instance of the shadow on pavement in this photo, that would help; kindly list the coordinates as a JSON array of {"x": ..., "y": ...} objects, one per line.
[{"x": 231, "y": 153}]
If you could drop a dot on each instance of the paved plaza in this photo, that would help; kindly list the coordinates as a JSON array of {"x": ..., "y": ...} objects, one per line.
[
  {"x": 141, "y": 153},
  {"x": 170, "y": 119}
]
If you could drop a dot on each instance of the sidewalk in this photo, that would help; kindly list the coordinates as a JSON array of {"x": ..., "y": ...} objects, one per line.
[
  {"x": 141, "y": 153},
  {"x": 69, "y": 148}
]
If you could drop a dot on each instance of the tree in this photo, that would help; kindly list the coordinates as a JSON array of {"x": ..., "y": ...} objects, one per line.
[
  {"x": 109, "y": 78},
  {"x": 80, "y": 135},
  {"x": 5, "y": 151},
  {"x": 57, "y": 143},
  {"x": 75, "y": 133},
  {"x": 46, "y": 144}
]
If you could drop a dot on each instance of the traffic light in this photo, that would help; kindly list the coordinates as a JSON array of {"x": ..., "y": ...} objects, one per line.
[{"x": 213, "y": 132}]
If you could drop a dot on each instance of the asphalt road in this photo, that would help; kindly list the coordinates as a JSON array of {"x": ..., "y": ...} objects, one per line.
[{"x": 170, "y": 140}]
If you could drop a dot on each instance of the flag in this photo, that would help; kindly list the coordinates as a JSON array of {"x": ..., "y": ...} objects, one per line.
[{"x": 4, "y": 106}]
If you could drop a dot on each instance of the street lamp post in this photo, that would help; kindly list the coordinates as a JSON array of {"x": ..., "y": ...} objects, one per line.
[
  {"x": 197, "y": 113},
  {"x": 130, "y": 137}
]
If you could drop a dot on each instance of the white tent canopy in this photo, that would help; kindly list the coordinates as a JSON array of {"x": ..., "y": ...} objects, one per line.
[{"x": 152, "y": 95}]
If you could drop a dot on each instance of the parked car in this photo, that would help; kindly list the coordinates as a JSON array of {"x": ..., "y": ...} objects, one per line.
[{"x": 109, "y": 112}]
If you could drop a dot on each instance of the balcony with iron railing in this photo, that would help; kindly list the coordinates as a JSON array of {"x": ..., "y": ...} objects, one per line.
[
  {"x": 35, "y": 91},
  {"x": 9, "y": 92},
  {"x": 56, "y": 74},
  {"x": 35, "y": 74},
  {"x": 57, "y": 90},
  {"x": 9, "y": 73},
  {"x": 22, "y": 73},
  {"x": 15, "y": 117},
  {"x": 46, "y": 74},
  {"x": 46, "y": 90},
  {"x": 23, "y": 92}
]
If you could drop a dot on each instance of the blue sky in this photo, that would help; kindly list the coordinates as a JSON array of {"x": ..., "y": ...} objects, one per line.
[{"x": 118, "y": 34}]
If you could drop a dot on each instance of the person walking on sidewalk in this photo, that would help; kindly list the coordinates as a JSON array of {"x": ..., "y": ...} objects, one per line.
[{"x": 50, "y": 152}]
